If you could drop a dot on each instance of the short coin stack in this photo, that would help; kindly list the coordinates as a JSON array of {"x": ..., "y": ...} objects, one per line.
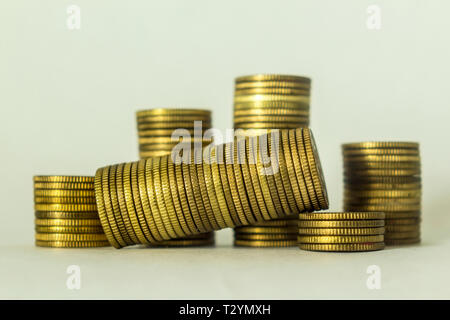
[
  {"x": 385, "y": 176},
  {"x": 341, "y": 231},
  {"x": 66, "y": 213},
  {"x": 157, "y": 199},
  {"x": 264, "y": 102},
  {"x": 155, "y": 129}
]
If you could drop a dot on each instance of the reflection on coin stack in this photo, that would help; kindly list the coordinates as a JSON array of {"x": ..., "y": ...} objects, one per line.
[
  {"x": 385, "y": 176},
  {"x": 341, "y": 231},
  {"x": 264, "y": 102},
  {"x": 155, "y": 129},
  {"x": 66, "y": 213},
  {"x": 160, "y": 198}
]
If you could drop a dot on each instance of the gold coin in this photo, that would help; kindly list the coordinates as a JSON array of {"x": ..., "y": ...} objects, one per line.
[
  {"x": 184, "y": 243},
  {"x": 172, "y": 119},
  {"x": 223, "y": 190},
  {"x": 300, "y": 159},
  {"x": 270, "y": 125},
  {"x": 198, "y": 219},
  {"x": 173, "y": 189},
  {"x": 64, "y": 207},
  {"x": 341, "y": 223},
  {"x": 316, "y": 168},
  {"x": 233, "y": 185},
  {"x": 381, "y": 145},
  {"x": 271, "y": 105},
  {"x": 242, "y": 170},
  {"x": 274, "y": 154},
  {"x": 103, "y": 214},
  {"x": 76, "y": 223},
  {"x": 402, "y": 227},
  {"x": 162, "y": 132},
  {"x": 271, "y": 84},
  {"x": 123, "y": 206},
  {"x": 151, "y": 154},
  {"x": 66, "y": 215},
  {"x": 271, "y": 97},
  {"x": 130, "y": 205},
  {"x": 266, "y": 230},
  {"x": 64, "y": 185},
  {"x": 264, "y": 112},
  {"x": 279, "y": 121},
  {"x": 72, "y": 244},
  {"x": 186, "y": 210},
  {"x": 168, "y": 221},
  {"x": 253, "y": 179},
  {"x": 207, "y": 216},
  {"x": 205, "y": 169},
  {"x": 65, "y": 200},
  {"x": 399, "y": 242},
  {"x": 341, "y": 231},
  {"x": 265, "y": 237},
  {"x": 406, "y": 221},
  {"x": 169, "y": 141},
  {"x": 340, "y": 239},
  {"x": 350, "y": 166},
  {"x": 382, "y": 207},
  {"x": 286, "y": 153},
  {"x": 62, "y": 229},
  {"x": 265, "y": 243},
  {"x": 349, "y": 247},
  {"x": 148, "y": 125},
  {"x": 382, "y": 201},
  {"x": 115, "y": 208},
  {"x": 354, "y": 186},
  {"x": 64, "y": 179},
  {"x": 273, "y": 77},
  {"x": 402, "y": 215},
  {"x": 277, "y": 223},
  {"x": 70, "y": 237},
  {"x": 402, "y": 235},
  {"x": 174, "y": 112},
  {"x": 342, "y": 216},
  {"x": 239, "y": 91},
  {"x": 383, "y": 158},
  {"x": 393, "y": 193},
  {"x": 363, "y": 152},
  {"x": 65, "y": 193},
  {"x": 167, "y": 197}
]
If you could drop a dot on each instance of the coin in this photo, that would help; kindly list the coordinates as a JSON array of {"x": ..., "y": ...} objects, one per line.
[
  {"x": 349, "y": 247},
  {"x": 381, "y": 145},
  {"x": 64, "y": 207},
  {"x": 341, "y": 231},
  {"x": 184, "y": 243},
  {"x": 265, "y": 237},
  {"x": 341, "y": 223},
  {"x": 67, "y": 222},
  {"x": 398, "y": 242},
  {"x": 273, "y": 77},
  {"x": 403, "y": 227},
  {"x": 64, "y": 185},
  {"x": 267, "y": 230},
  {"x": 402, "y": 235},
  {"x": 67, "y": 215},
  {"x": 265, "y": 243},
  {"x": 70, "y": 237},
  {"x": 72, "y": 244},
  {"x": 64, "y": 179},
  {"x": 340, "y": 239},
  {"x": 342, "y": 216},
  {"x": 62, "y": 229},
  {"x": 64, "y": 193}
]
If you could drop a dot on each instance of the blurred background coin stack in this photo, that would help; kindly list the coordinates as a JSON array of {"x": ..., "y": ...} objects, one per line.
[
  {"x": 66, "y": 213},
  {"x": 155, "y": 129},
  {"x": 157, "y": 199},
  {"x": 385, "y": 176},
  {"x": 264, "y": 102},
  {"x": 341, "y": 231}
]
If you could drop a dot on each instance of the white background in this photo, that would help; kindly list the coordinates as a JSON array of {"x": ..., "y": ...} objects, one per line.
[{"x": 68, "y": 102}]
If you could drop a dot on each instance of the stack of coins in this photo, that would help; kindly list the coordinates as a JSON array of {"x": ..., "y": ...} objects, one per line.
[
  {"x": 341, "y": 231},
  {"x": 160, "y": 198},
  {"x": 385, "y": 176},
  {"x": 155, "y": 130},
  {"x": 66, "y": 213},
  {"x": 264, "y": 102}
]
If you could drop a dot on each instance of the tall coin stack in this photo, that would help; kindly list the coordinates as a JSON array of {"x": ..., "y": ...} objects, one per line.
[
  {"x": 66, "y": 214},
  {"x": 155, "y": 129},
  {"x": 158, "y": 199},
  {"x": 264, "y": 102},
  {"x": 385, "y": 176},
  {"x": 341, "y": 231}
]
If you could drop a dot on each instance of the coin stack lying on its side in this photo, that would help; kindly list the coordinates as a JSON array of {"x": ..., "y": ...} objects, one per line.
[
  {"x": 385, "y": 176},
  {"x": 155, "y": 129},
  {"x": 341, "y": 231},
  {"x": 157, "y": 199},
  {"x": 261, "y": 103},
  {"x": 66, "y": 213}
]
